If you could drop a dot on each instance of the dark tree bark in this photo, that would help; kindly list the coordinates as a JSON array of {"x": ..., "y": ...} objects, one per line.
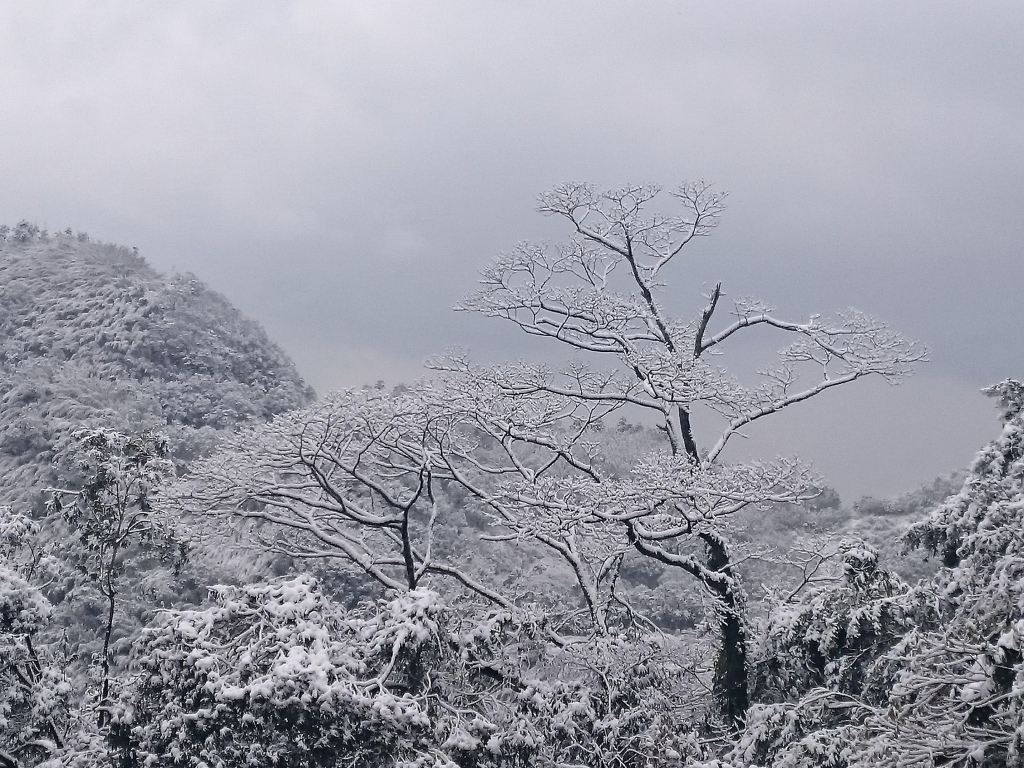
[
  {"x": 730, "y": 683},
  {"x": 718, "y": 577}
]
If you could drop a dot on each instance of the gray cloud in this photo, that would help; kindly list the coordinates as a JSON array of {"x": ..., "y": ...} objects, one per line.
[{"x": 342, "y": 170}]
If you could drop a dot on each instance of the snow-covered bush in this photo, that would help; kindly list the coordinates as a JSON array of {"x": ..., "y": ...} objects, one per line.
[
  {"x": 279, "y": 674},
  {"x": 832, "y": 636},
  {"x": 34, "y": 690}
]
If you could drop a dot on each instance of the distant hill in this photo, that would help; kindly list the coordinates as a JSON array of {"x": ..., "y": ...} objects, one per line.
[{"x": 91, "y": 335}]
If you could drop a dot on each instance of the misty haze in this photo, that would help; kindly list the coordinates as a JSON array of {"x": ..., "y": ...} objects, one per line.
[{"x": 491, "y": 385}]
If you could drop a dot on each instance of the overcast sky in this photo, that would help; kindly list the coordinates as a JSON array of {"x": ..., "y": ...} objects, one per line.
[{"x": 342, "y": 170}]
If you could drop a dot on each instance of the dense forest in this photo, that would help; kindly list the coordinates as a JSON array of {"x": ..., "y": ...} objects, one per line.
[
  {"x": 90, "y": 335},
  {"x": 511, "y": 565}
]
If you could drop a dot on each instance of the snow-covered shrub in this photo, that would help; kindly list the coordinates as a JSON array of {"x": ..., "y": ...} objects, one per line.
[
  {"x": 279, "y": 674},
  {"x": 34, "y": 690},
  {"x": 831, "y": 637}
]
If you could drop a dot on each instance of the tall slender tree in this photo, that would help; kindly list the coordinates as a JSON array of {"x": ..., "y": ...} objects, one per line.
[{"x": 111, "y": 513}]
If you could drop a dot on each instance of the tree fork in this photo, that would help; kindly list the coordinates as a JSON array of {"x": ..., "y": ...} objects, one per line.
[{"x": 731, "y": 666}]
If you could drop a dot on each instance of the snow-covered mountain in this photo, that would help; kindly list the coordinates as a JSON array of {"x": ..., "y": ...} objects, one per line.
[{"x": 91, "y": 335}]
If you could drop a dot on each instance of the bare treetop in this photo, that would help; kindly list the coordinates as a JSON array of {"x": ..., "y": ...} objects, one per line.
[
  {"x": 616, "y": 220},
  {"x": 599, "y": 293}
]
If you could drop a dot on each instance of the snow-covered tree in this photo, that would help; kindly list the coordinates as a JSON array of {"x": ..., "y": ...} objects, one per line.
[
  {"x": 365, "y": 476},
  {"x": 353, "y": 478},
  {"x": 35, "y": 693},
  {"x": 111, "y": 514},
  {"x": 959, "y": 695},
  {"x": 599, "y": 295}
]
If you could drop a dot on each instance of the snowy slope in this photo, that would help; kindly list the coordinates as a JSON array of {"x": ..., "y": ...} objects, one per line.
[{"x": 91, "y": 335}]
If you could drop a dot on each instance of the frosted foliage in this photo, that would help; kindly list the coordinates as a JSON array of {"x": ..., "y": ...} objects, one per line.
[
  {"x": 278, "y": 674},
  {"x": 932, "y": 674},
  {"x": 34, "y": 690}
]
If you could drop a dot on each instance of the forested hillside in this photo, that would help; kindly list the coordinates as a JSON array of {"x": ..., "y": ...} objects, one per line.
[
  {"x": 93, "y": 341},
  {"x": 91, "y": 335}
]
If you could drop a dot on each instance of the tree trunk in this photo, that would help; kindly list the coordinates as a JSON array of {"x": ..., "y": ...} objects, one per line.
[
  {"x": 730, "y": 683},
  {"x": 687, "y": 432},
  {"x": 105, "y": 689},
  {"x": 718, "y": 577},
  {"x": 407, "y": 555},
  {"x": 104, "y": 716}
]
